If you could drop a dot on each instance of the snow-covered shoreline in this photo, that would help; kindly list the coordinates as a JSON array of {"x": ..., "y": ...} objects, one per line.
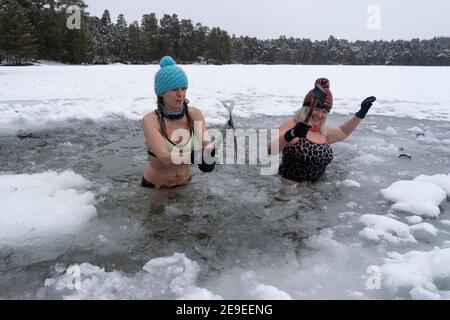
[{"x": 38, "y": 96}]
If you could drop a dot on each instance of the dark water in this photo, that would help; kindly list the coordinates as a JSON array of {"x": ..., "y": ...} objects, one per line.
[{"x": 231, "y": 218}]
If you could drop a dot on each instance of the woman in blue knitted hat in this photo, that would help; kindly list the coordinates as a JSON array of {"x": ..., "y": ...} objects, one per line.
[{"x": 175, "y": 133}]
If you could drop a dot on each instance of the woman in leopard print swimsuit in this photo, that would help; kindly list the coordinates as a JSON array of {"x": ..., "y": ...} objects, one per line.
[{"x": 304, "y": 140}]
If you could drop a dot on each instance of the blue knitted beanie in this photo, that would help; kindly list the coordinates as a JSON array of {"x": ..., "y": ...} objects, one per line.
[{"x": 169, "y": 77}]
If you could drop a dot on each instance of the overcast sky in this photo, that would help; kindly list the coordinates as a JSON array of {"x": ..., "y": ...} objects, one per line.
[{"x": 314, "y": 19}]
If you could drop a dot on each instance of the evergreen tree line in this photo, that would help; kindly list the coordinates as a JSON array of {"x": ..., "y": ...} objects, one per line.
[{"x": 36, "y": 29}]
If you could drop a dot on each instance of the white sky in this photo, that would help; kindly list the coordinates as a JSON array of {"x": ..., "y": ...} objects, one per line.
[{"x": 314, "y": 19}]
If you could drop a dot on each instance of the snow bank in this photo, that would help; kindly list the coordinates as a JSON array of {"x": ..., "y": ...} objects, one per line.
[
  {"x": 171, "y": 277},
  {"x": 55, "y": 113},
  {"x": 418, "y": 197},
  {"x": 37, "y": 114},
  {"x": 43, "y": 205},
  {"x": 424, "y": 275},
  {"x": 56, "y": 93}
]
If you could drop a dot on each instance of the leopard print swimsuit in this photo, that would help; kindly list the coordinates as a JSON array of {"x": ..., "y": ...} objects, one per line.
[{"x": 305, "y": 160}]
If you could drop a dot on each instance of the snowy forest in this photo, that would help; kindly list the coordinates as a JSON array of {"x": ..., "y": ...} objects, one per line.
[{"x": 36, "y": 29}]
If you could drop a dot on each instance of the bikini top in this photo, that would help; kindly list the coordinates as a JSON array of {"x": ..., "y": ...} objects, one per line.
[{"x": 183, "y": 147}]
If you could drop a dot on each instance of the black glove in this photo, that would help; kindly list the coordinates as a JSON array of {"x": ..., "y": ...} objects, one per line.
[
  {"x": 300, "y": 130},
  {"x": 205, "y": 159},
  {"x": 365, "y": 106},
  {"x": 203, "y": 167}
]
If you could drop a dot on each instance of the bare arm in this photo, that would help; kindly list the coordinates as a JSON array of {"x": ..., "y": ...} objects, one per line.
[
  {"x": 338, "y": 134},
  {"x": 278, "y": 139},
  {"x": 200, "y": 125}
]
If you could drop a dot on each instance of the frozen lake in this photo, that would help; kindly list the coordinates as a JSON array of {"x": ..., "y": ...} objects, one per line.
[{"x": 231, "y": 234}]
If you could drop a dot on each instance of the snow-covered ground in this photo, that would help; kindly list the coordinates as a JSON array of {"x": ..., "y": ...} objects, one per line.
[
  {"x": 75, "y": 224},
  {"x": 53, "y": 95}
]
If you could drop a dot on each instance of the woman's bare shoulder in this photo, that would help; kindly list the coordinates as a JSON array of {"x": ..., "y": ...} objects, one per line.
[
  {"x": 195, "y": 112},
  {"x": 150, "y": 118}
]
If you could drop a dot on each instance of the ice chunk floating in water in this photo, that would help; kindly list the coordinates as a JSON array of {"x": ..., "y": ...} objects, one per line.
[
  {"x": 164, "y": 277},
  {"x": 379, "y": 228},
  {"x": 43, "y": 205},
  {"x": 418, "y": 197},
  {"x": 424, "y": 275},
  {"x": 441, "y": 180}
]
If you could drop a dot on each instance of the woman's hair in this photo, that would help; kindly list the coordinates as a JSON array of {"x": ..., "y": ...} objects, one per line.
[
  {"x": 302, "y": 113},
  {"x": 162, "y": 124}
]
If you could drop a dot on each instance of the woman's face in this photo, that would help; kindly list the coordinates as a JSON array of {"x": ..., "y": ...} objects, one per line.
[
  {"x": 318, "y": 117},
  {"x": 174, "y": 99}
]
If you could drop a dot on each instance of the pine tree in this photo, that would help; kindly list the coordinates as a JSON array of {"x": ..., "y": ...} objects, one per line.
[
  {"x": 103, "y": 43},
  {"x": 17, "y": 39},
  {"x": 247, "y": 47},
  {"x": 169, "y": 36},
  {"x": 187, "y": 44},
  {"x": 50, "y": 34},
  {"x": 150, "y": 37},
  {"x": 219, "y": 46},
  {"x": 174, "y": 32},
  {"x": 136, "y": 47},
  {"x": 106, "y": 18},
  {"x": 120, "y": 40},
  {"x": 199, "y": 39},
  {"x": 5, "y": 38},
  {"x": 48, "y": 26},
  {"x": 78, "y": 45},
  {"x": 94, "y": 26}
]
